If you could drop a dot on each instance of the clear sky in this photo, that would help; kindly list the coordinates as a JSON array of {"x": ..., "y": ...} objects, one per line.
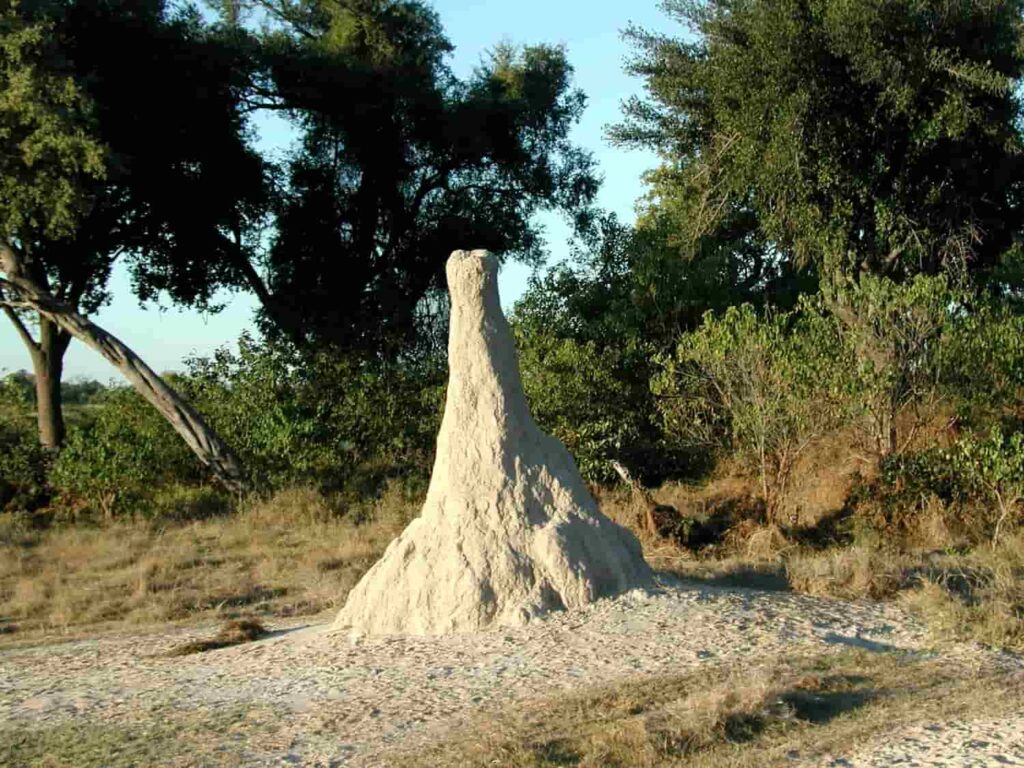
[{"x": 591, "y": 31}]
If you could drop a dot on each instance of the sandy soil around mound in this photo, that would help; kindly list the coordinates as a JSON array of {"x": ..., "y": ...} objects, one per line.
[{"x": 309, "y": 696}]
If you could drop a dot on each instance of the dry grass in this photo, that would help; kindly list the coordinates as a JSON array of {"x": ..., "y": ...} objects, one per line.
[
  {"x": 964, "y": 592},
  {"x": 291, "y": 555},
  {"x": 295, "y": 555},
  {"x": 713, "y": 718},
  {"x": 981, "y": 599},
  {"x": 854, "y": 572},
  {"x": 234, "y": 632}
]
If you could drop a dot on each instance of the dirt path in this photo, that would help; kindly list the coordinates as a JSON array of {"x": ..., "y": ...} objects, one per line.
[{"x": 305, "y": 696}]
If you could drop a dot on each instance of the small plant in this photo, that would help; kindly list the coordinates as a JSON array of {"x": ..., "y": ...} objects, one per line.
[
  {"x": 23, "y": 463},
  {"x": 895, "y": 335},
  {"x": 333, "y": 421},
  {"x": 115, "y": 463},
  {"x": 578, "y": 391},
  {"x": 993, "y": 468}
]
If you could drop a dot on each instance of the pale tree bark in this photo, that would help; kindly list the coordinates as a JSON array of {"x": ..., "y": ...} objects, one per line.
[{"x": 18, "y": 290}]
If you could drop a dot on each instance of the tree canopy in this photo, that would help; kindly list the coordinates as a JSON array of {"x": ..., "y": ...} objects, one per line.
[
  {"x": 129, "y": 138},
  {"x": 399, "y": 162},
  {"x": 880, "y": 135}
]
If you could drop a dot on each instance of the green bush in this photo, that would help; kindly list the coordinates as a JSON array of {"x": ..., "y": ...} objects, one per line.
[
  {"x": 114, "y": 462},
  {"x": 898, "y": 338},
  {"x": 23, "y": 463},
  {"x": 317, "y": 419},
  {"x": 983, "y": 363},
  {"x": 293, "y": 420},
  {"x": 992, "y": 468},
  {"x": 762, "y": 385},
  {"x": 583, "y": 395},
  {"x": 586, "y": 334},
  {"x": 977, "y": 484}
]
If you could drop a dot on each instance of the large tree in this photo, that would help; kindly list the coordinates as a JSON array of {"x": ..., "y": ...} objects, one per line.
[
  {"x": 878, "y": 135},
  {"x": 399, "y": 162},
  {"x": 123, "y": 140}
]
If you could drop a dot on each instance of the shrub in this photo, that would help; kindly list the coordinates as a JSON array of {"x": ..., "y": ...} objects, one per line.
[
  {"x": 587, "y": 397},
  {"x": 977, "y": 485},
  {"x": 895, "y": 335},
  {"x": 983, "y": 362},
  {"x": 23, "y": 463},
  {"x": 334, "y": 424},
  {"x": 115, "y": 462},
  {"x": 319, "y": 419},
  {"x": 23, "y": 469},
  {"x": 992, "y": 468},
  {"x": 765, "y": 386}
]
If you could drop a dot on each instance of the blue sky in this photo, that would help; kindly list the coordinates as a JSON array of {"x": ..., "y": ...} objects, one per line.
[{"x": 591, "y": 31}]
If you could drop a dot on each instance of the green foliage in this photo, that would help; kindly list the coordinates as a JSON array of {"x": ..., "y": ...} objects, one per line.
[
  {"x": 411, "y": 164},
  {"x": 114, "y": 463},
  {"x": 977, "y": 484},
  {"x": 880, "y": 135},
  {"x": 317, "y": 419},
  {"x": 48, "y": 153},
  {"x": 984, "y": 362},
  {"x": 586, "y": 333},
  {"x": 898, "y": 335},
  {"x": 993, "y": 468},
  {"x": 764, "y": 386},
  {"x": 23, "y": 470},
  {"x": 294, "y": 420},
  {"x": 587, "y": 397},
  {"x": 175, "y": 177},
  {"x": 23, "y": 463}
]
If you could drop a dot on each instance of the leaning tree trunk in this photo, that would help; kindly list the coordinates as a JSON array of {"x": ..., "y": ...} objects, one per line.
[{"x": 204, "y": 442}]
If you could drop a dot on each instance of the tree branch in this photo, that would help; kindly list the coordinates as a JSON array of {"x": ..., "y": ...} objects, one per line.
[
  {"x": 19, "y": 326},
  {"x": 185, "y": 420},
  {"x": 281, "y": 316}
]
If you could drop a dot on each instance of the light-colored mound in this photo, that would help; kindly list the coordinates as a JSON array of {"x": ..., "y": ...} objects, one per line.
[{"x": 508, "y": 531}]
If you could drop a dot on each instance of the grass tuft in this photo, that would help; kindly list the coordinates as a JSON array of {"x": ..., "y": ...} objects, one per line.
[{"x": 234, "y": 632}]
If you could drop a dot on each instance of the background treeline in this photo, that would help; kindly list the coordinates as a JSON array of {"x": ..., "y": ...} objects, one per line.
[{"x": 812, "y": 339}]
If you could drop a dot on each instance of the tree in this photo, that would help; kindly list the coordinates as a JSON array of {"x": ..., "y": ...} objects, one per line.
[
  {"x": 95, "y": 168},
  {"x": 588, "y": 331},
  {"x": 898, "y": 335},
  {"x": 880, "y": 135},
  {"x": 386, "y": 180},
  {"x": 399, "y": 162}
]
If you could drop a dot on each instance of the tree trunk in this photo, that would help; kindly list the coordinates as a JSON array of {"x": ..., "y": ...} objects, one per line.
[
  {"x": 48, "y": 367},
  {"x": 203, "y": 441}
]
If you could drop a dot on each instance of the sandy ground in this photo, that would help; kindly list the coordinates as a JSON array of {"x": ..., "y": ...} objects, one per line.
[
  {"x": 958, "y": 744},
  {"x": 307, "y": 696}
]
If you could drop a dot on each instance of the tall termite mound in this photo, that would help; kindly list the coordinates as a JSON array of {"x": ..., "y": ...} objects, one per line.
[{"x": 508, "y": 530}]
